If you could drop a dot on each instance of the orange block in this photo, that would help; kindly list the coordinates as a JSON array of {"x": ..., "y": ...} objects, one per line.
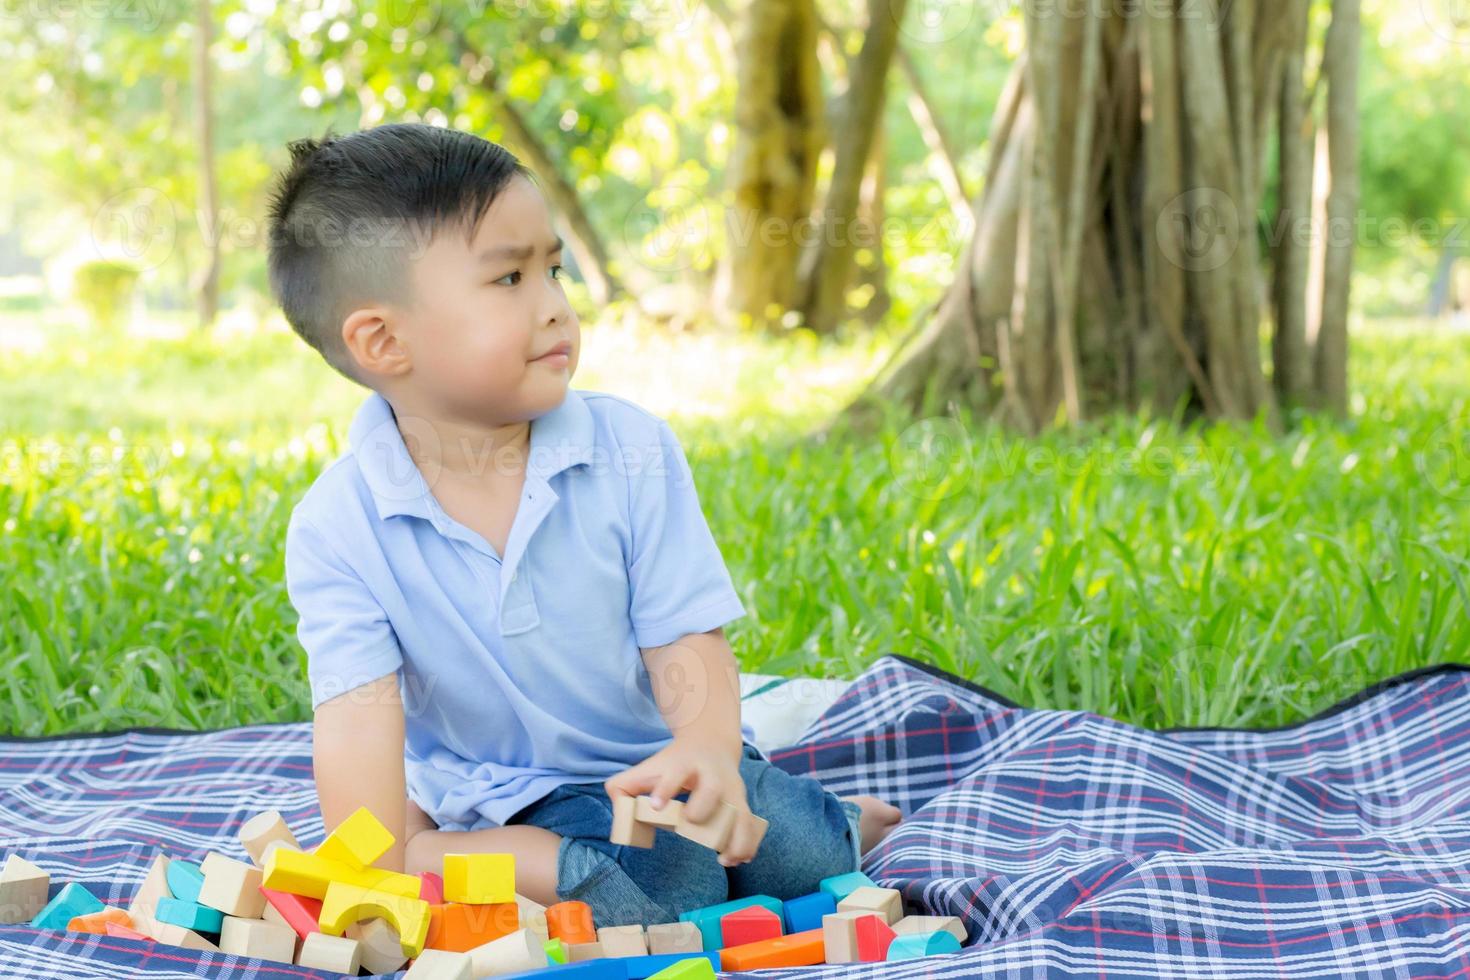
[
  {"x": 97, "y": 921},
  {"x": 459, "y": 927},
  {"x": 124, "y": 932},
  {"x": 571, "y": 922},
  {"x": 796, "y": 949}
]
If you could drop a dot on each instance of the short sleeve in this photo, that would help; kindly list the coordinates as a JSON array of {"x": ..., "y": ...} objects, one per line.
[
  {"x": 677, "y": 579},
  {"x": 343, "y": 628}
]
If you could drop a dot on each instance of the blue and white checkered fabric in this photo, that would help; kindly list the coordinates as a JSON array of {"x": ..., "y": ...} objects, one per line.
[{"x": 1070, "y": 844}]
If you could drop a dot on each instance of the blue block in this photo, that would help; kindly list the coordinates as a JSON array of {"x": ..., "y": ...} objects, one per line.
[
  {"x": 923, "y": 944},
  {"x": 805, "y": 912},
  {"x": 190, "y": 915},
  {"x": 601, "y": 969},
  {"x": 708, "y": 918},
  {"x": 640, "y": 967},
  {"x": 841, "y": 886},
  {"x": 73, "y": 900},
  {"x": 184, "y": 880}
]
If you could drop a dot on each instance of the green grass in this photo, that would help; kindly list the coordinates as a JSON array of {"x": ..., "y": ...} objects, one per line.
[{"x": 1211, "y": 576}]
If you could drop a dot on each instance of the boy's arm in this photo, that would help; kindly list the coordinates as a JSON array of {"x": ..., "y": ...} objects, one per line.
[
  {"x": 357, "y": 757},
  {"x": 696, "y": 685}
]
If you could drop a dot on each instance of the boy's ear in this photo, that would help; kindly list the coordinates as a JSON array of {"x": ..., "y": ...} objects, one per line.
[{"x": 373, "y": 343}]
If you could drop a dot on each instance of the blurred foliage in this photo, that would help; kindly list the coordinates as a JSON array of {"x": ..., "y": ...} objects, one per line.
[{"x": 104, "y": 288}]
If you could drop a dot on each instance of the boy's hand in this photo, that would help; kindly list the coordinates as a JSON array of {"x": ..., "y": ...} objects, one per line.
[{"x": 710, "y": 776}]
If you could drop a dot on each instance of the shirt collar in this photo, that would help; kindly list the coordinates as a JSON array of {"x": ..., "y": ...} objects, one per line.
[{"x": 561, "y": 438}]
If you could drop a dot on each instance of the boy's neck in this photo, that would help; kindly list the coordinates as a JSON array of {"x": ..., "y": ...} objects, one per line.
[{"x": 465, "y": 450}]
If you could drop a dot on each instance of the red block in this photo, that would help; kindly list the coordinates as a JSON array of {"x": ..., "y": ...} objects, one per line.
[
  {"x": 749, "y": 925},
  {"x": 123, "y": 932},
  {"x": 301, "y": 913},
  {"x": 431, "y": 888},
  {"x": 873, "y": 937}
]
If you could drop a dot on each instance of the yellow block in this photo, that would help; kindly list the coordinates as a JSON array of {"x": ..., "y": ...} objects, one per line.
[
  {"x": 357, "y": 841},
  {"x": 294, "y": 871},
  {"x": 345, "y": 904},
  {"x": 479, "y": 879}
]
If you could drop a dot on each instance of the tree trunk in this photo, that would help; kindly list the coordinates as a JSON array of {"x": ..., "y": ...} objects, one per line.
[
  {"x": 207, "y": 289},
  {"x": 1115, "y": 261}
]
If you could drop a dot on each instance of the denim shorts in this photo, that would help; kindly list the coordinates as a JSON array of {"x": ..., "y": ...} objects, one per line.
[{"x": 811, "y": 835}]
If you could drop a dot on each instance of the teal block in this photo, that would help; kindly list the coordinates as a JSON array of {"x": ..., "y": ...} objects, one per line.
[
  {"x": 73, "y": 900},
  {"x": 659, "y": 964},
  {"x": 190, "y": 915},
  {"x": 841, "y": 886},
  {"x": 923, "y": 944},
  {"x": 707, "y": 919},
  {"x": 805, "y": 912},
  {"x": 184, "y": 880}
]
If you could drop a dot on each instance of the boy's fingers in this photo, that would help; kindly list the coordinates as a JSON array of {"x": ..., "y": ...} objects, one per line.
[
  {"x": 703, "y": 801},
  {"x": 743, "y": 841},
  {"x": 670, "y": 783}
]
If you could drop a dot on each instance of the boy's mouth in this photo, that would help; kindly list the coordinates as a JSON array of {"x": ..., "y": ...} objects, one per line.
[{"x": 563, "y": 349}]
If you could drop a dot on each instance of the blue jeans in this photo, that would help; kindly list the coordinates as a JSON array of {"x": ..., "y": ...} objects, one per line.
[{"x": 812, "y": 835}]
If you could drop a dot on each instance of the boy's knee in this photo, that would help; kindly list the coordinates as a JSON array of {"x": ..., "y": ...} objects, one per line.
[{"x": 683, "y": 875}]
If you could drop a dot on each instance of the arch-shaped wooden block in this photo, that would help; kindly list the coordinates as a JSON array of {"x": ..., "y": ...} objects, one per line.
[{"x": 345, "y": 904}]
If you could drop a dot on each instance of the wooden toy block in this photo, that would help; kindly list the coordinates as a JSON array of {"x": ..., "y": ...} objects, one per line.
[
  {"x": 887, "y": 902},
  {"x": 715, "y": 832},
  {"x": 873, "y": 937},
  {"x": 190, "y": 915},
  {"x": 438, "y": 964},
  {"x": 231, "y": 886},
  {"x": 73, "y": 900},
  {"x": 357, "y": 841},
  {"x": 708, "y": 918},
  {"x": 798, "y": 949},
  {"x": 674, "y": 937},
  {"x": 748, "y": 925},
  {"x": 805, "y": 911},
  {"x": 345, "y": 904},
  {"x": 578, "y": 952},
  {"x": 97, "y": 922},
  {"x": 626, "y": 940},
  {"x": 23, "y": 890},
  {"x": 839, "y": 936},
  {"x": 668, "y": 817},
  {"x": 556, "y": 950},
  {"x": 626, "y": 827},
  {"x": 761, "y": 825},
  {"x": 458, "y": 928},
  {"x": 911, "y": 925},
  {"x": 480, "y": 879},
  {"x": 431, "y": 888},
  {"x": 297, "y": 911},
  {"x": 262, "y": 830},
  {"x": 919, "y": 944},
  {"x": 256, "y": 937},
  {"x": 570, "y": 922},
  {"x": 640, "y": 967},
  {"x": 335, "y": 953},
  {"x": 512, "y": 953},
  {"x": 840, "y": 886},
  {"x": 185, "y": 878},
  {"x": 154, "y": 887},
  {"x": 381, "y": 950},
  {"x": 689, "y": 968},
  {"x": 119, "y": 931},
  {"x": 299, "y": 873}
]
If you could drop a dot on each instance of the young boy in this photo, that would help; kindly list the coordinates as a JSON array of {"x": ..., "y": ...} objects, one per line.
[{"x": 509, "y": 598}]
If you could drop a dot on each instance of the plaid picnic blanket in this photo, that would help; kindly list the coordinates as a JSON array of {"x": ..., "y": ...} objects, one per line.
[{"x": 1070, "y": 844}]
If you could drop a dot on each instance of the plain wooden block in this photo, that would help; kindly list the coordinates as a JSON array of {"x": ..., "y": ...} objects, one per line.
[
  {"x": 439, "y": 964},
  {"x": 357, "y": 841},
  {"x": 839, "y": 936},
  {"x": 626, "y": 940},
  {"x": 674, "y": 937},
  {"x": 23, "y": 890},
  {"x": 480, "y": 879},
  {"x": 911, "y": 925},
  {"x": 626, "y": 827},
  {"x": 154, "y": 887},
  {"x": 714, "y": 833},
  {"x": 231, "y": 886},
  {"x": 668, "y": 817},
  {"x": 345, "y": 904},
  {"x": 515, "y": 952},
  {"x": 887, "y": 902},
  {"x": 335, "y": 953},
  {"x": 256, "y": 937},
  {"x": 262, "y": 830},
  {"x": 381, "y": 950},
  {"x": 577, "y": 952}
]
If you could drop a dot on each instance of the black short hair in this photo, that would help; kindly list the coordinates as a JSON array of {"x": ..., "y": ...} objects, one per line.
[{"x": 349, "y": 212}]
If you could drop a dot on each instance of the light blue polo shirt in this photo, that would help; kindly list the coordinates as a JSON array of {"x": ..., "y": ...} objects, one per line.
[{"x": 520, "y": 671}]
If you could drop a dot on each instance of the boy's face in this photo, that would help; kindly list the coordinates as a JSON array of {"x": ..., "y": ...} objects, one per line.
[{"x": 483, "y": 316}]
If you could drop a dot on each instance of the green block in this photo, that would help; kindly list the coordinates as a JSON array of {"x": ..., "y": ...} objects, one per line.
[
  {"x": 694, "y": 968},
  {"x": 707, "y": 919},
  {"x": 556, "y": 950}
]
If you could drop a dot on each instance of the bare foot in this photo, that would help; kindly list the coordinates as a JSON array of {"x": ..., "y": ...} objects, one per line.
[{"x": 877, "y": 821}]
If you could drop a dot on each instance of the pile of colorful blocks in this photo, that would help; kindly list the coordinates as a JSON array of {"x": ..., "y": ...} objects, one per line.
[{"x": 331, "y": 909}]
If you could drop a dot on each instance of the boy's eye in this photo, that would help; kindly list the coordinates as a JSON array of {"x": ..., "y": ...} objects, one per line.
[
  {"x": 557, "y": 271},
  {"x": 517, "y": 274}
]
